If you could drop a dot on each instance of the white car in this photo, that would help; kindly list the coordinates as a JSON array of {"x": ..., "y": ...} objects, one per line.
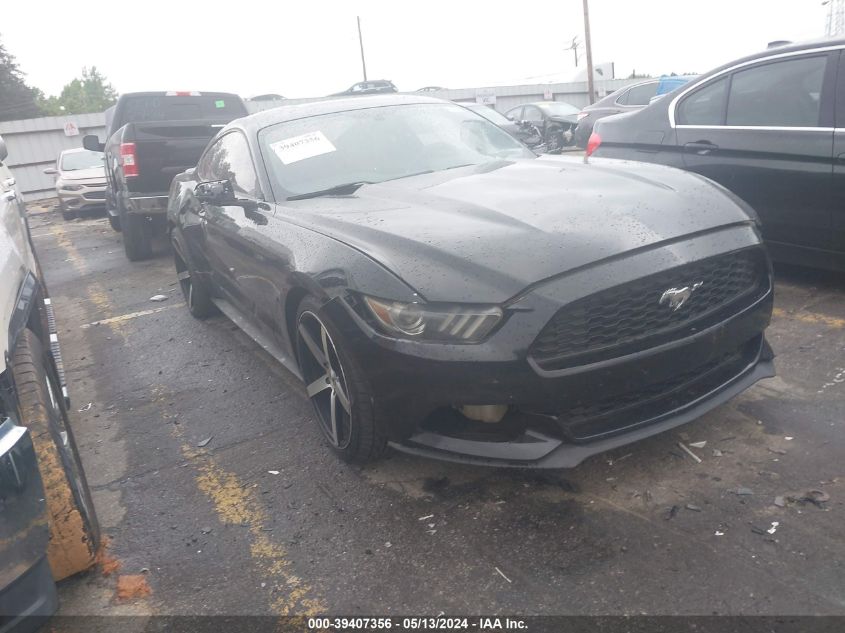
[{"x": 80, "y": 181}]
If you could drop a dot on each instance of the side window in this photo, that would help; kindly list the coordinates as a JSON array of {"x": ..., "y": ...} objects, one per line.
[
  {"x": 204, "y": 172},
  {"x": 705, "y": 106},
  {"x": 622, "y": 99},
  {"x": 641, "y": 95},
  {"x": 533, "y": 114},
  {"x": 780, "y": 94},
  {"x": 230, "y": 159}
]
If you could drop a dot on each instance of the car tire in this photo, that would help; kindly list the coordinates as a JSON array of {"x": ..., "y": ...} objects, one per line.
[
  {"x": 114, "y": 221},
  {"x": 196, "y": 291},
  {"x": 137, "y": 237},
  {"x": 358, "y": 434},
  {"x": 74, "y": 530},
  {"x": 554, "y": 140},
  {"x": 66, "y": 215}
]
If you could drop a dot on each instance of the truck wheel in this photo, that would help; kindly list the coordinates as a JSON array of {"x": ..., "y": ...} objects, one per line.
[
  {"x": 114, "y": 221},
  {"x": 66, "y": 215},
  {"x": 74, "y": 531},
  {"x": 137, "y": 237}
]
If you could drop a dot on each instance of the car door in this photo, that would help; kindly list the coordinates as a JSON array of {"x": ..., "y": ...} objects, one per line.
[
  {"x": 237, "y": 234},
  {"x": 765, "y": 131}
]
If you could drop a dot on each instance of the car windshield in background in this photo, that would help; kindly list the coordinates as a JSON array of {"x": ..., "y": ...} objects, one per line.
[
  {"x": 81, "y": 160},
  {"x": 181, "y": 108},
  {"x": 559, "y": 109},
  {"x": 377, "y": 144}
]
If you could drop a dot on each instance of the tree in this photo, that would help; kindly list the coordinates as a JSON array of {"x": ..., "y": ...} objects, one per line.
[
  {"x": 17, "y": 99},
  {"x": 89, "y": 93}
]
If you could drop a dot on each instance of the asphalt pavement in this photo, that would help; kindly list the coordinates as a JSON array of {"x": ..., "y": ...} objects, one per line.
[{"x": 219, "y": 496}]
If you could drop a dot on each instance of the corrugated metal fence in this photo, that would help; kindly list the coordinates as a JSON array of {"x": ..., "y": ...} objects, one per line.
[{"x": 35, "y": 144}]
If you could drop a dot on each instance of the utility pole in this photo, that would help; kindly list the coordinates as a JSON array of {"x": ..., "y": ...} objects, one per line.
[
  {"x": 361, "y": 43},
  {"x": 589, "y": 47}
]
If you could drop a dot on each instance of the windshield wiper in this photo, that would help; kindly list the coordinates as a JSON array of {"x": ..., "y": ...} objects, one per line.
[{"x": 339, "y": 190}]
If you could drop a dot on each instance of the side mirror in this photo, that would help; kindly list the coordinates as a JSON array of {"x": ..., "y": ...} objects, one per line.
[
  {"x": 51, "y": 171},
  {"x": 4, "y": 152},
  {"x": 91, "y": 142},
  {"x": 216, "y": 192}
]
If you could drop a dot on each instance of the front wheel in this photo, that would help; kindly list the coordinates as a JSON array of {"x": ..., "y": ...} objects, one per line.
[
  {"x": 74, "y": 531},
  {"x": 554, "y": 140},
  {"x": 342, "y": 401}
]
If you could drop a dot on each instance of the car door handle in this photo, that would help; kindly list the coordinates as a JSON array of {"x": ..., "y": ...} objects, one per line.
[{"x": 702, "y": 148}]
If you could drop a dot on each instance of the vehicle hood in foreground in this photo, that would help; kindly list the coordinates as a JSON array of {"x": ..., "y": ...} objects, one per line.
[{"x": 482, "y": 235}]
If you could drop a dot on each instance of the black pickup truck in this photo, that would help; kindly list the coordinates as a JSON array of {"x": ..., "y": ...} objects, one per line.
[{"x": 152, "y": 136}]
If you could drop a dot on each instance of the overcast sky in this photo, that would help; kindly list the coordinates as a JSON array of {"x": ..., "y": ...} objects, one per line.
[{"x": 253, "y": 47}]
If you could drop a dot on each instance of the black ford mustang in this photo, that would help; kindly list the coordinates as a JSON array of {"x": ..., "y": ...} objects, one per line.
[{"x": 440, "y": 288}]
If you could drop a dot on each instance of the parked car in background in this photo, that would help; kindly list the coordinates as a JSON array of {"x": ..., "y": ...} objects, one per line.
[
  {"x": 525, "y": 132},
  {"x": 627, "y": 99},
  {"x": 766, "y": 128},
  {"x": 372, "y": 87},
  {"x": 151, "y": 137},
  {"x": 80, "y": 182},
  {"x": 430, "y": 89},
  {"x": 556, "y": 120},
  {"x": 462, "y": 298},
  {"x": 48, "y": 528}
]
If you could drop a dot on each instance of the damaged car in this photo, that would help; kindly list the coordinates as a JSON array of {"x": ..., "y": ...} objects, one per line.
[{"x": 441, "y": 289}]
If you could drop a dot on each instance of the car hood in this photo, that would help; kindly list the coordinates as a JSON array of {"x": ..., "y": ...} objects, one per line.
[
  {"x": 482, "y": 235},
  {"x": 92, "y": 173}
]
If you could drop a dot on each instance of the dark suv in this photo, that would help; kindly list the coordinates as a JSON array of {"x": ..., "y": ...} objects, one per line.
[{"x": 768, "y": 127}]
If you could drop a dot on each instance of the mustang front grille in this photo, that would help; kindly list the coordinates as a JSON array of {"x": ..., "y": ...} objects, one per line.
[{"x": 669, "y": 305}]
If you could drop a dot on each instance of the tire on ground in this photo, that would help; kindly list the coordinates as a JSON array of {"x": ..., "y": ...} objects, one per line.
[
  {"x": 369, "y": 431},
  {"x": 74, "y": 531},
  {"x": 137, "y": 236}
]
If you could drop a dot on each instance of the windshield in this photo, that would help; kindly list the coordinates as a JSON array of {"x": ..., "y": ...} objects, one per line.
[
  {"x": 378, "y": 144},
  {"x": 81, "y": 160},
  {"x": 494, "y": 116},
  {"x": 559, "y": 108}
]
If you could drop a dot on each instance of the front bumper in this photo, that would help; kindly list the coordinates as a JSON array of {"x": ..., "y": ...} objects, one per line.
[
  {"x": 91, "y": 196},
  {"x": 558, "y": 418}
]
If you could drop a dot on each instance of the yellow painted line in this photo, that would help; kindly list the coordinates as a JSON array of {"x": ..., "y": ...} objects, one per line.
[
  {"x": 235, "y": 503},
  {"x": 131, "y": 315},
  {"x": 810, "y": 317},
  {"x": 95, "y": 292}
]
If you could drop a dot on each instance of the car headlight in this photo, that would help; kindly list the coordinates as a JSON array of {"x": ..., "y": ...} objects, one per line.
[
  {"x": 65, "y": 187},
  {"x": 445, "y": 323}
]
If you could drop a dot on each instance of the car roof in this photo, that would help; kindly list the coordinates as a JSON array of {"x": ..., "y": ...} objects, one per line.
[
  {"x": 329, "y": 105},
  {"x": 831, "y": 42}
]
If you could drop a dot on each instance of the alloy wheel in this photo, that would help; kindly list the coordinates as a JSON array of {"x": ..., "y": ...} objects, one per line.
[{"x": 325, "y": 379}]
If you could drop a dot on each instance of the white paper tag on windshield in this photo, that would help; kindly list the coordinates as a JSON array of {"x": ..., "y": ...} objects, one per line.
[{"x": 297, "y": 148}]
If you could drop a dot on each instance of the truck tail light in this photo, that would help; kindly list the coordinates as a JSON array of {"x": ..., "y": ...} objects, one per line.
[
  {"x": 593, "y": 143},
  {"x": 127, "y": 160}
]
